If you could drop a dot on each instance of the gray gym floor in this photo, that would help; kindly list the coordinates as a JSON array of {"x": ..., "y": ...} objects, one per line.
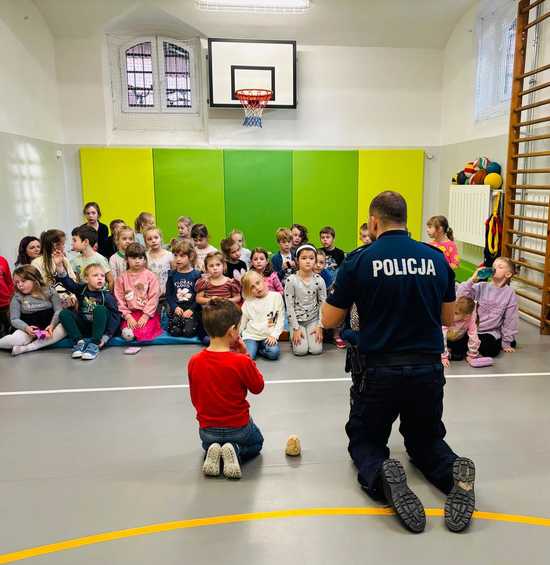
[{"x": 75, "y": 464}]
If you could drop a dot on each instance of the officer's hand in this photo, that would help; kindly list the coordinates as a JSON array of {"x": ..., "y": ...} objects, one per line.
[
  {"x": 446, "y": 363},
  {"x": 508, "y": 349},
  {"x": 297, "y": 336},
  {"x": 318, "y": 333}
]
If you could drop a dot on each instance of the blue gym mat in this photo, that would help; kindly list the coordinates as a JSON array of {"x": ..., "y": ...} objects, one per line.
[{"x": 163, "y": 339}]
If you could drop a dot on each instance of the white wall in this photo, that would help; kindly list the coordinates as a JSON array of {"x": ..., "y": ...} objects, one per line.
[
  {"x": 347, "y": 97},
  {"x": 29, "y": 96}
]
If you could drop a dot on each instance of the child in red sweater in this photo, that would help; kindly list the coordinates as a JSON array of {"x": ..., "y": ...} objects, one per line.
[
  {"x": 6, "y": 292},
  {"x": 219, "y": 380}
]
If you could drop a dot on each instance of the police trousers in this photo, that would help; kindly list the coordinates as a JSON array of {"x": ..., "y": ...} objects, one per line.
[{"x": 415, "y": 394}]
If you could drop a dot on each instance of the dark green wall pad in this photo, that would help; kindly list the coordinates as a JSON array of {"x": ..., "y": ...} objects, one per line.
[
  {"x": 258, "y": 194},
  {"x": 325, "y": 193},
  {"x": 189, "y": 182}
]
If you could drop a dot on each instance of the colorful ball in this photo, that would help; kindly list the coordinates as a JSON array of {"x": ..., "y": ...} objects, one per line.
[
  {"x": 482, "y": 163},
  {"x": 479, "y": 177},
  {"x": 469, "y": 169},
  {"x": 461, "y": 178},
  {"x": 494, "y": 180},
  {"x": 494, "y": 167}
]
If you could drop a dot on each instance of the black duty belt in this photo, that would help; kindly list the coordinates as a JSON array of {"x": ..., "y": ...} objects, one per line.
[{"x": 357, "y": 362}]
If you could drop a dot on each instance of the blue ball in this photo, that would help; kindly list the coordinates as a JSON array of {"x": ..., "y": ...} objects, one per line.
[{"x": 493, "y": 168}]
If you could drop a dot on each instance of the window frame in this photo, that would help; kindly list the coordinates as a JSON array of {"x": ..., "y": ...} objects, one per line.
[{"x": 160, "y": 106}]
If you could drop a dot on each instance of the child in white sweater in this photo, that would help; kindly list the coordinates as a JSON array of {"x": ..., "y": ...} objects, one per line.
[{"x": 263, "y": 315}]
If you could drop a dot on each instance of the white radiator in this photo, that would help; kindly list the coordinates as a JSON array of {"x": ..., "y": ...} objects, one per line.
[{"x": 469, "y": 207}]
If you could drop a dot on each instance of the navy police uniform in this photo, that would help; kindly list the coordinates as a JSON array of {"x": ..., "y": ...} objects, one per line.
[{"x": 399, "y": 286}]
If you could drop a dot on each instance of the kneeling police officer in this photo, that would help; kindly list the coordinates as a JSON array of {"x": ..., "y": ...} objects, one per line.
[{"x": 404, "y": 291}]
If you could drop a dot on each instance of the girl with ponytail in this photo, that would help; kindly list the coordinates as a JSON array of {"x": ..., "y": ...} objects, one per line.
[{"x": 441, "y": 236}]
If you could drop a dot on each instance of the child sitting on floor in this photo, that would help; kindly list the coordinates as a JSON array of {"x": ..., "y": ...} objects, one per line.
[
  {"x": 137, "y": 292},
  {"x": 220, "y": 377},
  {"x": 123, "y": 237},
  {"x": 299, "y": 236},
  {"x": 284, "y": 263},
  {"x": 97, "y": 318},
  {"x": 320, "y": 268},
  {"x": 159, "y": 260},
  {"x": 34, "y": 313},
  {"x": 497, "y": 308},
  {"x": 364, "y": 235},
  {"x": 84, "y": 239},
  {"x": 216, "y": 284},
  {"x": 304, "y": 293},
  {"x": 263, "y": 317},
  {"x": 441, "y": 236},
  {"x": 261, "y": 264},
  {"x": 183, "y": 320},
  {"x": 334, "y": 256},
  {"x": 461, "y": 338},
  {"x": 235, "y": 267},
  {"x": 199, "y": 235},
  {"x": 143, "y": 221},
  {"x": 238, "y": 237}
]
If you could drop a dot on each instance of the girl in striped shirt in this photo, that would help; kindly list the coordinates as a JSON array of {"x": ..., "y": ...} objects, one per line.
[{"x": 215, "y": 283}]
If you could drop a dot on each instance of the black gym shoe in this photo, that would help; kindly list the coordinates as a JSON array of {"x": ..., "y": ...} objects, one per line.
[
  {"x": 460, "y": 503},
  {"x": 406, "y": 504}
]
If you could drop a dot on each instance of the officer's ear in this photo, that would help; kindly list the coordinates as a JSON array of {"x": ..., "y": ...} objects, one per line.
[{"x": 374, "y": 224}]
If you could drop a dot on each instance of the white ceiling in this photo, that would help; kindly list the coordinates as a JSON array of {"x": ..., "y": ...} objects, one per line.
[{"x": 382, "y": 23}]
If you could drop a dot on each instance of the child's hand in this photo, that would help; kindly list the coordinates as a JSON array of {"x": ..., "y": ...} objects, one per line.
[
  {"x": 271, "y": 341},
  {"x": 58, "y": 258},
  {"x": 29, "y": 330},
  {"x": 297, "y": 336},
  {"x": 188, "y": 314},
  {"x": 49, "y": 330},
  {"x": 446, "y": 363},
  {"x": 239, "y": 347},
  {"x": 508, "y": 349},
  {"x": 178, "y": 312},
  {"x": 474, "y": 277},
  {"x": 142, "y": 321},
  {"x": 318, "y": 333},
  {"x": 132, "y": 323}
]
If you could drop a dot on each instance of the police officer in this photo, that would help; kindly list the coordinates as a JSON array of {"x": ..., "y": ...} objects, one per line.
[{"x": 404, "y": 291}]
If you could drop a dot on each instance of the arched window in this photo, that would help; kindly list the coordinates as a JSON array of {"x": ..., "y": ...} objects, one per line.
[{"x": 158, "y": 75}]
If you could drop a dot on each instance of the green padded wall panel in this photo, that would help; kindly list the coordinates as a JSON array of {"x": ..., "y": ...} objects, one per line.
[
  {"x": 189, "y": 182},
  {"x": 258, "y": 194},
  {"x": 325, "y": 193}
]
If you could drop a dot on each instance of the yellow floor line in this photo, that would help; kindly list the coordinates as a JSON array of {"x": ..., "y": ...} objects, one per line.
[{"x": 234, "y": 518}]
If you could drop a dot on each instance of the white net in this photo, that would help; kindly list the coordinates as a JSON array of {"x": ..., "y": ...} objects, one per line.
[{"x": 253, "y": 103}]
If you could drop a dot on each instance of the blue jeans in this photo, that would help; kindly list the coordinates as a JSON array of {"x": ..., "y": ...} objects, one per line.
[
  {"x": 270, "y": 352},
  {"x": 247, "y": 441}
]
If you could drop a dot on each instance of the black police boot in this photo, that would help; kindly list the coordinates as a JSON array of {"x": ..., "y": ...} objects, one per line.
[
  {"x": 460, "y": 503},
  {"x": 406, "y": 504}
]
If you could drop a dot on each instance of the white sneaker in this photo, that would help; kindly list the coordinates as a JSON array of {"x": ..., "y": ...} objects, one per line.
[
  {"x": 231, "y": 467},
  {"x": 18, "y": 349},
  {"x": 211, "y": 465}
]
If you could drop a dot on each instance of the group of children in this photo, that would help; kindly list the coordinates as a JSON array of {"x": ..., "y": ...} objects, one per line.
[{"x": 236, "y": 300}]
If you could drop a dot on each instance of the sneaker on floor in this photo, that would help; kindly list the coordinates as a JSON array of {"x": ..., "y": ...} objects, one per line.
[
  {"x": 460, "y": 504},
  {"x": 211, "y": 465},
  {"x": 91, "y": 352},
  {"x": 340, "y": 343},
  {"x": 402, "y": 499},
  {"x": 231, "y": 467},
  {"x": 78, "y": 349}
]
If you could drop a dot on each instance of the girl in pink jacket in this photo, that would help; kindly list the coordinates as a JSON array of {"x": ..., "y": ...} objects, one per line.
[
  {"x": 461, "y": 339},
  {"x": 137, "y": 292}
]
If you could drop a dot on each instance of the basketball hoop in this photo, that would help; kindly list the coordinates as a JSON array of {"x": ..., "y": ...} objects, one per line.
[{"x": 253, "y": 101}]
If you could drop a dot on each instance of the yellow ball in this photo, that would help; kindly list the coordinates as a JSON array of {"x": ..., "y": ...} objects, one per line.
[
  {"x": 293, "y": 446},
  {"x": 493, "y": 179}
]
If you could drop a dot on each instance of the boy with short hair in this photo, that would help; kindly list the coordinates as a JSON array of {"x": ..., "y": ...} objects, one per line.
[
  {"x": 220, "y": 377},
  {"x": 97, "y": 318},
  {"x": 284, "y": 263},
  {"x": 335, "y": 256},
  {"x": 84, "y": 239}
]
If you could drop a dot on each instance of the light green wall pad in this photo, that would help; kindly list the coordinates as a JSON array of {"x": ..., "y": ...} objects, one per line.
[
  {"x": 325, "y": 193},
  {"x": 189, "y": 182},
  {"x": 258, "y": 194}
]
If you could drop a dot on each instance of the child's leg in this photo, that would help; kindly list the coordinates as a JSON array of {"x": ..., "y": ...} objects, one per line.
[
  {"x": 458, "y": 348},
  {"x": 489, "y": 345},
  {"x": 271, "y": 352},
  {"x": 248, "y": 441},
  {"x": 57, "y": 335},
  {"x": 314, "y": 347},
  {"x": 175, "y": 325},
  {"x": 302, "y": 347},
  {"x": 74, "y": 325},
  {"x": 18, "y": 337},
  {"x": 100, "y": 319},
  {"x": 252, "y": 347},
  {"x": 190, "y": 326}
]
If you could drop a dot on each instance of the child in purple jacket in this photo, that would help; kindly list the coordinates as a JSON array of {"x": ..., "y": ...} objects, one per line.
[{"x": 497, "y": 309}]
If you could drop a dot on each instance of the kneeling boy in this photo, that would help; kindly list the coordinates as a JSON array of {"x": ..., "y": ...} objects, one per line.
[{"x": 220, "y": 377}]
